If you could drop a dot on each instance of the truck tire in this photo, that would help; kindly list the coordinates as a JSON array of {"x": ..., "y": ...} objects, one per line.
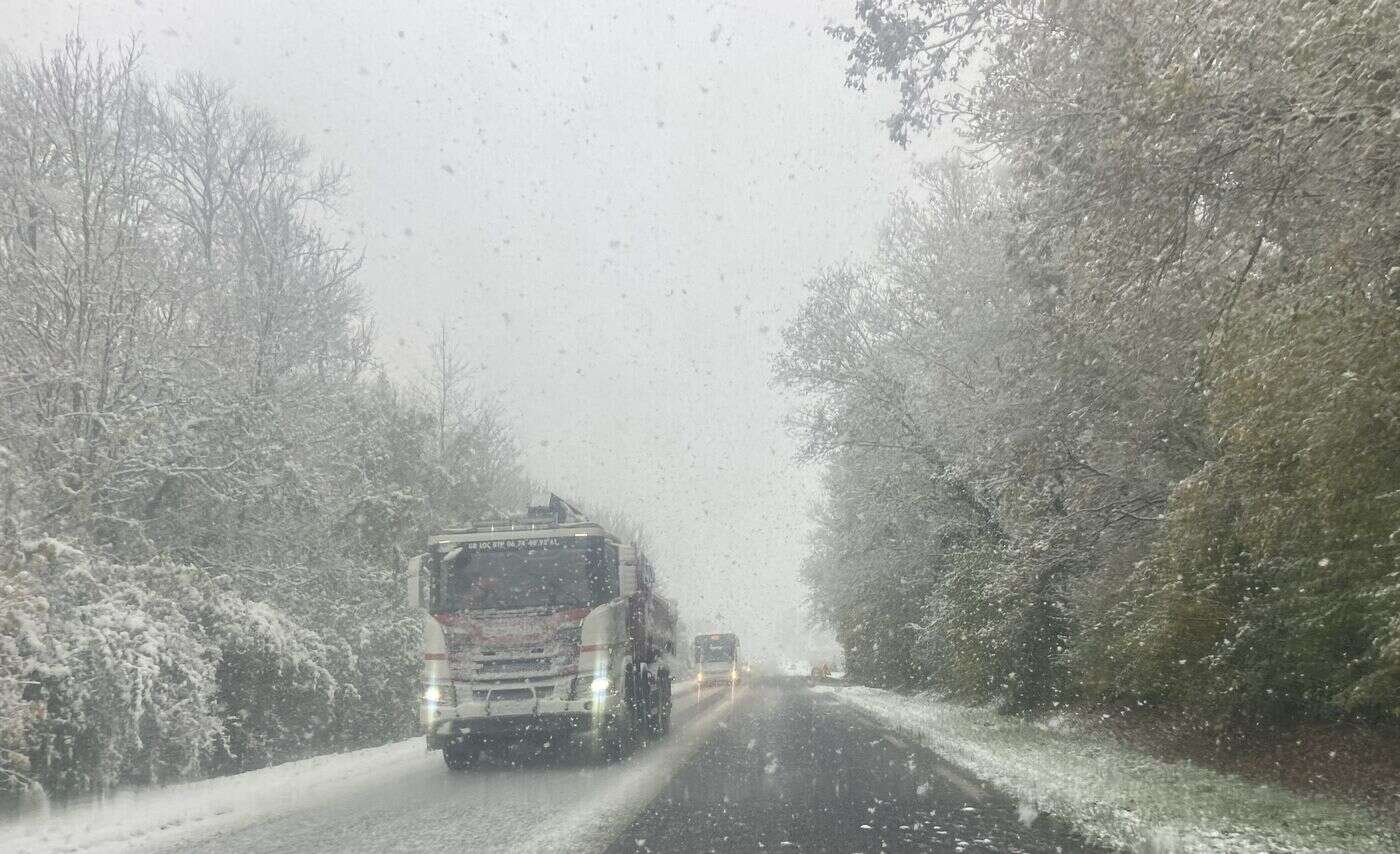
[
  {"x": 461, "y": 756},
  {"x": 619, "y": 736},
  {"x": 664, "y": 696},
  {"x": 647, "y": 707},
  {"x": 615, "y": 741},
  {"x": 614, "y": 747},
  {"x": 658, "y": 704}
]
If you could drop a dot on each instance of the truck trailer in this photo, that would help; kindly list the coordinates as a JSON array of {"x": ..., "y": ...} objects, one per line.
[{"x": 540, "y": 628}]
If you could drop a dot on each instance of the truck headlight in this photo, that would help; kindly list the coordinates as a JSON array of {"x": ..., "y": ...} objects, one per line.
[{"x": 439, "y": 694}]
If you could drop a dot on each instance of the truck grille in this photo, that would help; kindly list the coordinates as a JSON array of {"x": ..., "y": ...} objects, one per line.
[
  {"x": 507, "y": 694},
  {"x": 513, "y": 665},
  {"x": 470, "y": 663}
]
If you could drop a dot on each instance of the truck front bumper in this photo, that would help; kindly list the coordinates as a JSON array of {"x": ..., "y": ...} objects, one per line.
[
  {"x": 509, "y": 728},
  {"x": 535, "y": 722}
]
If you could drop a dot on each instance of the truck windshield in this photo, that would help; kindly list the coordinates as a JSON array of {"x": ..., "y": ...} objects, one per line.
[
  {"x": 505, "y": 576},
  {"x": 715, "y": 649}
]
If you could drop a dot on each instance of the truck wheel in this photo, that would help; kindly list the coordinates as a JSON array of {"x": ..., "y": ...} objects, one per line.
[
  {"x": 614, "y": 747},
  {"x": 617, "y": 739},
  {"x": 655, "y": 706},
  {"x": 646, "y": 704},
  {"x": 460, "y": 757},
  {"x": 663, "y": 717},
  {"x": 612, "y": 742}
]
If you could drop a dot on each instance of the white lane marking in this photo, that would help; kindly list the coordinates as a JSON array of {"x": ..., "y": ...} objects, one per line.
[
  {"x": 896, "y": 742},
  {"x": 594, "y": 824},
  {"x": 974, "y": 792}
]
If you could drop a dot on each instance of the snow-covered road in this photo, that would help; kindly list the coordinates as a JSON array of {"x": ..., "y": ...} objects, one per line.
[{"x": 395, "y": 797}]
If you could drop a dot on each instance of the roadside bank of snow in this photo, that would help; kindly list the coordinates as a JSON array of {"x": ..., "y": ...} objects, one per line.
[
  {"x": 1120, "y": 796},
  {"x": 146, "y": 818},
  {"x": 405, "y": 789}
]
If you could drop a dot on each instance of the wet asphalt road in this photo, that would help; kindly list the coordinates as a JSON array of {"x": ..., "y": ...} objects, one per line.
[{"x": 793, "y": 770}]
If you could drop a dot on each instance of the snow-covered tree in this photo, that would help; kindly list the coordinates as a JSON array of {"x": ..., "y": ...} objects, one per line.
[
  {"x": 1187, "y": 454},
  {"x": 207, "y": 489}
]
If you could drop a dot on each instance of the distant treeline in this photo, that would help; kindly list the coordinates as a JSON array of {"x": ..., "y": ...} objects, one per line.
[
  {"x": 1114, "y": 413},
  {"x": 207, "y": 487}
]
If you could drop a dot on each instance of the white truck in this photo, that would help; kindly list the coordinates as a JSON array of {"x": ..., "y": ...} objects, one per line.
[{"x": 542, "y": 628}]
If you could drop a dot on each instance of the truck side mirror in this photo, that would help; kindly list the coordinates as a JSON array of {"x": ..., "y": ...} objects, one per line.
[
  {"x": 627, "y": 571},
  {"x": 413, "y": 582}
]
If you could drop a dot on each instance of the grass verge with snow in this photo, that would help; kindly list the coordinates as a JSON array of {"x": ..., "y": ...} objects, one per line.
[
  {"x": 147, "y": 818},
  {"x": 1120, "y": 796}
]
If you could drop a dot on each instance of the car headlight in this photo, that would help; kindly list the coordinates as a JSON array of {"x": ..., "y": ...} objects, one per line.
[
  {"x": 432, "y": 694},
  {"x": 601, "y": 685}
]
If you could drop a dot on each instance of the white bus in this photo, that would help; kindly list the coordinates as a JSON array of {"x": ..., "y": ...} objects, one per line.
[{"x": 717, "y": 660}]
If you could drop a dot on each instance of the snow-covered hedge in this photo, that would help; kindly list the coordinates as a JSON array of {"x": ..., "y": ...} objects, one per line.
[
  {"x": 241, "y": 486},
  {"x": 145, "y": 673}
]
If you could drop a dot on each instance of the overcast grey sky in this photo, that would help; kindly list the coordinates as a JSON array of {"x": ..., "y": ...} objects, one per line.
[{"x": 616, "y": 204}]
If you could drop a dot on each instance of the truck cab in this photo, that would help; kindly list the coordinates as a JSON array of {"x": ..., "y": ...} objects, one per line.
[{"x": 540, "y": 628}]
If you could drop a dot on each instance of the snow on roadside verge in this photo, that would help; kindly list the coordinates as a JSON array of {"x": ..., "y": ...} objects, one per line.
[
  {"x": 147, "y": 818},
  {"x": 587, "y": 805},
  {"x": 1120, "y": 796}
]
